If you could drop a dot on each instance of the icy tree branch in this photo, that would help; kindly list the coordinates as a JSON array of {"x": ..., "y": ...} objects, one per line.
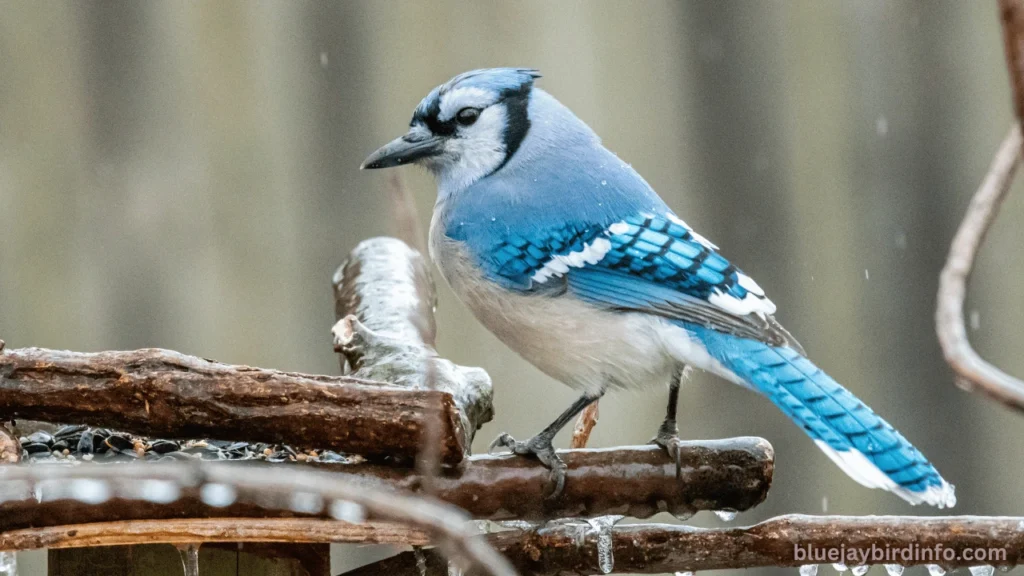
[
  {"x": 638, "y": 481},
  {"x": 659, "y": 548},
  {"x": 973, "y": 371}
]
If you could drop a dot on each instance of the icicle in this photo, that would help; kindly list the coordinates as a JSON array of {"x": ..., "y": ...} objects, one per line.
[
  {"x": 984, "y": 570},
  {"x": 839, "y": 567},
  {"x": 809, "y": 570},
  {"x": 860, "y": 570},
  {"x": 603, "y": 526},
  {"x": 935, "y": 570},
  {"x": 421, "y": 560},
  {"x": 8, "y": 564},
  {"x": 726, "y": 515},
  {"x": 894, "y": 569},
  {"x": 683, "y": 516},
  {"x": 190, "y": 559}
]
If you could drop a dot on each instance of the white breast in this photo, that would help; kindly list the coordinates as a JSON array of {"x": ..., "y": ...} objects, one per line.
[{"x": 572, "y": 341}]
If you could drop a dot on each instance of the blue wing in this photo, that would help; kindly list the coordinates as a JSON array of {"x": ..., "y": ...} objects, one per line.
[{"x": 646, "y": 263}]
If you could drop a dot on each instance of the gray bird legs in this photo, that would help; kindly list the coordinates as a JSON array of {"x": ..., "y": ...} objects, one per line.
[{"x": 540, "y": 445}]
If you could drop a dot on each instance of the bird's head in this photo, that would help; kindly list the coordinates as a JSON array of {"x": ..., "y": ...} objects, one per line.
[{"x": 466, "y": 128}]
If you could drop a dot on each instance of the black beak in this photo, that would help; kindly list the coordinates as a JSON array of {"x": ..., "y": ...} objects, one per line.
[{"x": 404, "y": 150}]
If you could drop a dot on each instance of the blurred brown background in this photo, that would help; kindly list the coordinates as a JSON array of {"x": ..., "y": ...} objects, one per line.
[{"x": 185, "y": 175}]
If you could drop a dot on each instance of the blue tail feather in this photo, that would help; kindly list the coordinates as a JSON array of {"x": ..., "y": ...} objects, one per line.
[{"x": 864, "y": 445}]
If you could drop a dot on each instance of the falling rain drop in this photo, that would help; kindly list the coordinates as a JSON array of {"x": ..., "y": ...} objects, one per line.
[
  {"x": 882, "y": 126},
  {"x": 809, "y": 570},
  {"x": 726, "y": 515},
  {"x": 453, "y": 569},
  {"x": 982, "y": 570},
  {"x": 860, "y": 570},
  {"x": 894, "y": 569},
  {"x": 975, "y": 319},
  {"x": 190, "y": 559},
  {"x": 936, "y": 570}
]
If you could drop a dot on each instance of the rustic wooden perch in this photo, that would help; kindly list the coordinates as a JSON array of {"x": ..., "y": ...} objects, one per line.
[
  {"x": 384, "y": 302},
  {"x": 167, "y": 394},
  {"x": 660, "y": 548},
  {"x": 640, "y": 481}
]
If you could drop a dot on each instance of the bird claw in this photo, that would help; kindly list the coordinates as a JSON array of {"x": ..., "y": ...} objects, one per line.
[
  {"x": 541, "y": 449},
  {"x": 668, "y": 438}
]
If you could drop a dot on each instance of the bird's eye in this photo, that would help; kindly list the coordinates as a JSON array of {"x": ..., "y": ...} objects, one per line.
[{"x": 467, "y": 116}]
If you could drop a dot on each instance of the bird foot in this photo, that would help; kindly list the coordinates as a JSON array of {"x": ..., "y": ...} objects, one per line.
[
  {"x": 540, "y": 448},
  {"x": 668, "y": 438}
]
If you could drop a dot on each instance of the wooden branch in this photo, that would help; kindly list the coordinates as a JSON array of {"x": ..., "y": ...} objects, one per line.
[
  {"x": 974, "y": 372},
  {"x": 211, "y": 530},
  {"x": 781, "y": 541},
  {"x": 585, "y": 423},
  {"x": 1012, "y": 15},
  {"x": 268, "y": 487},
  {"x": 384, "y": 303},
  {"x": 167, "y": 394},
  {"x": 638, "y": 481}
]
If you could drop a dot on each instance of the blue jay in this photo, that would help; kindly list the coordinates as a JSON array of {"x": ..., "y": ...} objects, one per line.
[{"x": 568, "y": 256}]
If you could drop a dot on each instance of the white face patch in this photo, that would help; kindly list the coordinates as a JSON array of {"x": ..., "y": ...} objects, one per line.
[
  {"x": 473, "y": 152},
  {"x": 591, "y": 253},
  {"x": 467, "y": 97}
]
